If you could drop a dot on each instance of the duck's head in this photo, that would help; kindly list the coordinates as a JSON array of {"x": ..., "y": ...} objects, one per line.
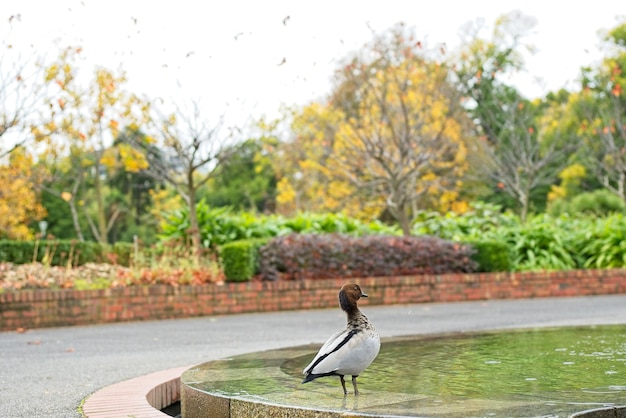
[{"x": 349, "y": 294}]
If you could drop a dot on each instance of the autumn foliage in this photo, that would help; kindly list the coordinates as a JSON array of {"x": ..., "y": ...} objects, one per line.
[
  {"x": 18, "y": 198},
  {"x": 389, "y": 138}
]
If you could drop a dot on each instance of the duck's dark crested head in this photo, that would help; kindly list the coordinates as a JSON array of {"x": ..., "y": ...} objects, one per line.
[{"x": 349, "y": 294}]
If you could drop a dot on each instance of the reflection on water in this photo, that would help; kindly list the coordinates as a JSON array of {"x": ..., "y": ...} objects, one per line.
[{"x": 544, "y": 372}]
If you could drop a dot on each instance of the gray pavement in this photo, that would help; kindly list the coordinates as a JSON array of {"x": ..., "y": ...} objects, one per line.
[{"x": 48, "y": 372}]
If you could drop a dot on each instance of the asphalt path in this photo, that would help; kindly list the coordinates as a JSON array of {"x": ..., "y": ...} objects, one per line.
[{"x": 48, "y": 372}]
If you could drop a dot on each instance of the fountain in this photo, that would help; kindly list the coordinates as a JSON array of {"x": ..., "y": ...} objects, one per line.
[{"x": 553, "y": 372}]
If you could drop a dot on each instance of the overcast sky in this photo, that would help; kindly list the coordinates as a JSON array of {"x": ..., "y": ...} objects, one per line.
[{"x": 248, "y": 57}]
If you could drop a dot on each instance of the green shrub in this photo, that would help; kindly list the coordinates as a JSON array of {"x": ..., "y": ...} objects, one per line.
[
  {"x": 491, "y": 255},
  {"x": 479, "y": 219},
  {"x": 603, "y": 245},
  {"x": 219, "y": 226},
  {"x": 54, "y": 253},
  {"x": 240, "y": 259},
  {"x": 17, "y": 252},
  {"x": 122, "y": 252},
  {"x": 597, "y": 203},
  {"x": 542, "y": 243}
]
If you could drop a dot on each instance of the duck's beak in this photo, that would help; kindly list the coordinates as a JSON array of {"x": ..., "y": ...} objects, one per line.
[{"x": 363, "y": 294}]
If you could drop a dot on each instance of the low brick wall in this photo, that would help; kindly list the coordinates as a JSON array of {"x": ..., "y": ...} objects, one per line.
[{"x": 49, "y": 308}]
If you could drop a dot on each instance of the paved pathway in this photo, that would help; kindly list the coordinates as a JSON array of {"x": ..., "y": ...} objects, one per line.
[{"x": 48, "y": 372}]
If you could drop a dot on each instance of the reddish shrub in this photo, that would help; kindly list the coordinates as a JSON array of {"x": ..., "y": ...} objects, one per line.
[{"x": 312, "y": 256}]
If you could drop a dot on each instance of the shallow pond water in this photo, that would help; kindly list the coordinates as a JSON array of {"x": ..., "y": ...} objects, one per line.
[{"x": 522, "y": 373}]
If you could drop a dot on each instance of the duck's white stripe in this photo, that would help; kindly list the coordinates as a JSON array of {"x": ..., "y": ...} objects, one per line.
[
  {"x": 351, "y": 352},
  {"x": 334, "y": 343}
]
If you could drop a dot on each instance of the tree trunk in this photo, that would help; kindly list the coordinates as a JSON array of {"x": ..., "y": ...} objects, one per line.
[
  {"x": 79, "y": 233},
  {"x": 400, "y": 213},
  {"x": 524, "y": 209},
  {"x": 196, "y": 239},
  {"x": 100, "y": 213}
]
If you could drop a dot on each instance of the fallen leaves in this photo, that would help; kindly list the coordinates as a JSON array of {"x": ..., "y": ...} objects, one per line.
[{"x": 101, "y": 276}]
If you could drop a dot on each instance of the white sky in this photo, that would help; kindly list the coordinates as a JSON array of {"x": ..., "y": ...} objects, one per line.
[{"x": 188, "y": 49}]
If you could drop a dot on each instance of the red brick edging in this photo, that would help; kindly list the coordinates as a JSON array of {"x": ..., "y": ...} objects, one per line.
[
  {"x": 141, "y": 397},
  {"x": 48, "y": 308}
]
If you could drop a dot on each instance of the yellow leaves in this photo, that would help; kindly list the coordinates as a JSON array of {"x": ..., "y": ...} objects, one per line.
[
  {"x": 370, "y": 140},
  {"x": 575, "y": 171},
  {"x": 114, "y": 127},
  {"x": 556, "y": 192},
  {"x": 285, "y": 193},
  {"x": 109, "y": 159},
  {"x": 67, "y": 196},
  {"x": 571, "y": 179},
  {"x": 51, "y": 73},
  {"x": 132, "y": 160},
  {"x": 124, "y": 156},
  {"x": 163, "y": 202},
  {"x": 19, "y": 204}
]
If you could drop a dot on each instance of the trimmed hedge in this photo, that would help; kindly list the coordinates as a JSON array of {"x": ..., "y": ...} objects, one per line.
[
  {"x": 313, "y": 256},
  {"x": 62, "y": 252},
  {"x": 491, "y": 256},
  {"x": 240, "y": 259}
]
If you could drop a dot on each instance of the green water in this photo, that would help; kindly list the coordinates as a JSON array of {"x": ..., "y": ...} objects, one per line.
[{"x": 543, "y": 372}]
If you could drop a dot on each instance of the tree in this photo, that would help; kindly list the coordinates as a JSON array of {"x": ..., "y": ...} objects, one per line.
[
  {"x": 185, "y": 155},
  {"x": 524, "y": 159},
  {"x": 525, "y": 152},
  {"x": 392, "y": 134},
  {"x": 19, "y": 202},
  {"x": 246, "y": 180},
  {"x": 132, "y": 188},
  {"x": 301, "y": 166},
  {"x": 85, "y": 122},
  {"x": 601, "y": 105}
]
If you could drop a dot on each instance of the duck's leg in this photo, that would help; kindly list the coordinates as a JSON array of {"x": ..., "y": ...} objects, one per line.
[
  {"x": 356, "y": 390},
  {"x": 343, "y": 384}
]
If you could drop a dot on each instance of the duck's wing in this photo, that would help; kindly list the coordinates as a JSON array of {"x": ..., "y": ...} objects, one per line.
[{"x": 333, "y": 344}]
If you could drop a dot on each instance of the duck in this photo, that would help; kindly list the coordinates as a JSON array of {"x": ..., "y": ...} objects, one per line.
[{"x": 350, "y": 351}]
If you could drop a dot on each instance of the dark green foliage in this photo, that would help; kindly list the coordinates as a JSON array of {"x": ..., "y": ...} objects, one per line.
[
  {"x": 18, "y": 252},
  {"x": 219, "y": 226},
  {"x": 59, "y": 217},
  {"x": 122, "y": 253},
  {"x": 240, "y": 259},
  {"x": 491, "y": 256},
  {"x": 542, "y": 243},
  {"x": 244, "y": 180},
  {"x": 319, "y": 256},
  {"x": 603, "y": 244},
  {"x": 473, "y": 224},
  {"x": 62, "y": 252}
]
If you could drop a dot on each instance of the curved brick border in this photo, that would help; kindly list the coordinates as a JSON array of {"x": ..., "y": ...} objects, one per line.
[
  {"x": 141, "y": 397},
  {"x": 47, "y": 308}
]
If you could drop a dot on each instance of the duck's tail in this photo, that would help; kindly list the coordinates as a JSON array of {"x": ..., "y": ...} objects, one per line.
[{"x": 313, "y": 376}]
